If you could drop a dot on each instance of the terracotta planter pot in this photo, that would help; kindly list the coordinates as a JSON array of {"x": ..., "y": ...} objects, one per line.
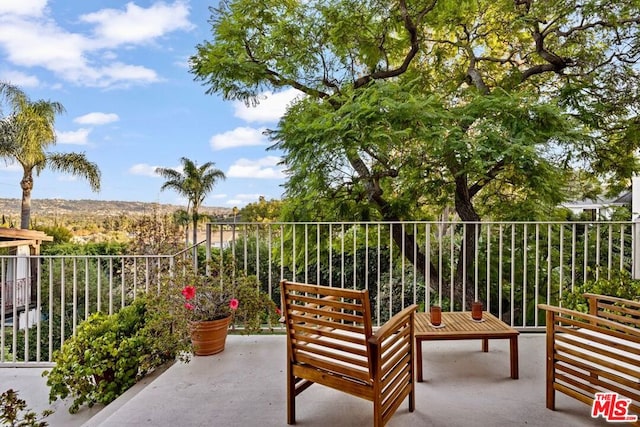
[{"x": 209, "y": 336}]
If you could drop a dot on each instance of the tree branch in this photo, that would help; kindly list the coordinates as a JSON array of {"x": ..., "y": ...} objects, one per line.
[
  {"x": 555, "y": 62},
  {"x": 604, "y": 24},
  {"x": 489, "y": 176},
  {"x": 412, "y": 29},
  {"x": 278, "y": 80}
]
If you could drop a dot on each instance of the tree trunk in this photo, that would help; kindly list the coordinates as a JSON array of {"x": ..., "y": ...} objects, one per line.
[
  {"x": 25, "y": 210},
  {"x": 412, "y": 250},
  {"x": 466, "y": 255}
]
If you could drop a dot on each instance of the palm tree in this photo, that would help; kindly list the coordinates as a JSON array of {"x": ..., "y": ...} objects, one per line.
[
  {"x": 25, "y": 134},
  {"x": 182, "y": 218},
  {"x": 193, "y": 183}
]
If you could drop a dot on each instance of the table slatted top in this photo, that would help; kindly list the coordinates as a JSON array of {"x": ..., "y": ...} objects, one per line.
[{"x": 459, "y": 324}]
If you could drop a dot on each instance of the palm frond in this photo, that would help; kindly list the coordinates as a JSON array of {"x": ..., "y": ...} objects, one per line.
[{"x": 75, "y": 164}]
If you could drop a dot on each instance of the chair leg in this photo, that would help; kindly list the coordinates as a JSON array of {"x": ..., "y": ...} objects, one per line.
[
  {"x": 377, "y": 413},
  {"x": 291, "y": 396},
  {"x": 412, "y": 380},
  {"x": 412, "y": 397}
]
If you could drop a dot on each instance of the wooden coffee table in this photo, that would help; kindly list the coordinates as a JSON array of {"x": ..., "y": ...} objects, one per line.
[{"x": 460, "y": 326}]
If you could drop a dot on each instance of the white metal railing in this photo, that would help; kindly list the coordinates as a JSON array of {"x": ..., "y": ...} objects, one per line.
[
  {"x": 510, "y": 267},
  {"x": 64, "y": 291}
]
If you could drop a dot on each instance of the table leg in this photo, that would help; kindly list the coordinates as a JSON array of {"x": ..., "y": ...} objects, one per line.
[
  {"x": 513, "y": 350},
  {"x": 485, "y": 344},
  {"x": 419, "y": 358}
]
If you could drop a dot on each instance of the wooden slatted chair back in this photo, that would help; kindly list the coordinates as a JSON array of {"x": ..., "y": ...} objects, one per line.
[
  {"x": 330, "y": 341},
  {"x": 619, "y": 310},
  {"x": 330, "y": 329}
]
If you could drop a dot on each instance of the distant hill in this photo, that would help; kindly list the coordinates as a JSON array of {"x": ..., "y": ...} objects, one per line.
[{"x": 94, "y": 208}]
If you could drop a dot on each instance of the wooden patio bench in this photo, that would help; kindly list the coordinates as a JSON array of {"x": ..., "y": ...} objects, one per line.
[
  {"x": 330, "y": 341},
  {"x": 594, "y": 353}
]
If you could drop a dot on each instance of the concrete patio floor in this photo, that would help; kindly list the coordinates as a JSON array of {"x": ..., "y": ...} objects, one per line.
[{"x": 245, "y": 386}]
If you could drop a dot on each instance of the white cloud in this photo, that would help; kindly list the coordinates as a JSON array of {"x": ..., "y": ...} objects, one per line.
[
  {"x": 144, "y": 169},
  {"x": 265, "y": 168},
  {"x": 270, "y": 109},
  {"x": 136, "y": 24},
  {"x": 97, "y": 118},
  {"x": 74, "y": 137},
  {"x": 22, "y": 7},
  {"x": 249, "y": 196},
  {"x": 32, "y": 40},
  {"x": 182, "y": 62},
  {"x": 123, "y": 74},
  {"x": 243, "y": 199},
  {"x": 20, "y": 79},
  {"x": 239, "y": 137},
  {"x": 42, "y": 43}
]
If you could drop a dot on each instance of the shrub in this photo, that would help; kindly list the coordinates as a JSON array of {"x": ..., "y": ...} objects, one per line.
[
  {"x": 14, "y": 411},
  {"x": 110, "y": 353},
  {"x": 620, "y": 285},
  {"x": 211, "y": 299}
]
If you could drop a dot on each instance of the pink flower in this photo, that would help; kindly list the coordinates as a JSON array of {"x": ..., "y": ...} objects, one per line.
[
  {"x": 233, "y": 304},
  {"x": 278, "y": 311},
  {"x": 189, "y": 292},
  {"x": 188, "y": 306}
]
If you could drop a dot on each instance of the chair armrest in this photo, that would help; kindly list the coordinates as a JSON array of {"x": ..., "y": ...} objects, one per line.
[
  {"x": 394, "y": 324},
  {"x": 392, "y": 344}
]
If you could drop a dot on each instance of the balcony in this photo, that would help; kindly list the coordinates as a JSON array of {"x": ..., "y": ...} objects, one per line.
[
  {"x": 245, "y": 386},
  {"x": 510, "y": 267}
]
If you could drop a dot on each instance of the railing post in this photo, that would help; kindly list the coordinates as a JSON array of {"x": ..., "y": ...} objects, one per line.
[
  {"x": 207, "y": 249},
  {"x": 635, "y": 234},
  {"x": 635, "y": 249}
]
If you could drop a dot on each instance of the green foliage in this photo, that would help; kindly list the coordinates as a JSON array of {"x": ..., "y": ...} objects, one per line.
[
  {"x": 26, "y": 132},
  {"x": 409, "y": 111},
  {"x": 213, "y": 293},
  {"x": 59, "y": 233},
  {"x": 14, "y": 412},
  {"x": 109, "y": 353},
  {"x": 430, "y": 147},
  {"x": 193, "y": 183},
  {"x": 412, "y": 111},
  {"x": 395, "y": 294},
  {"x": 100, "y": 248},
  {"x": 256, "y": 308},
  {"x": 620, "y": 285},
  {"x": 261, "y": 211}
]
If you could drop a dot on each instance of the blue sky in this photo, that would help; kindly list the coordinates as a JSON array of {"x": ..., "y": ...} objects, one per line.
[{"x": 121, "y": 71}]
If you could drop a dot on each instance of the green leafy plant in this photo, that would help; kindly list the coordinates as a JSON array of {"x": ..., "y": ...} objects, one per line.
[
  {"x": 219, "y": 294},
  {"x": 14, "y": 412},
  {"x": 206, "y": 301},
  {"x": 255, "y": 308},
  {"x": 619, "y": 285},
  {"x": 110, "y": 353}
]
